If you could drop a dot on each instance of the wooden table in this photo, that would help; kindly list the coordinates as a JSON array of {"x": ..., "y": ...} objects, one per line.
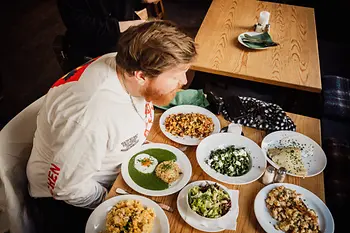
[
  {"x": 294, "y": 63},
  {"x": 247, "y": 222}
]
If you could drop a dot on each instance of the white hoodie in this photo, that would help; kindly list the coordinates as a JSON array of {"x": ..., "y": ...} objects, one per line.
[{"x": 85, "y": 128}]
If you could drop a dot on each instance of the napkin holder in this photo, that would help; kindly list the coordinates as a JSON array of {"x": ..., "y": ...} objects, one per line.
[{"x": 260, "y": 28}]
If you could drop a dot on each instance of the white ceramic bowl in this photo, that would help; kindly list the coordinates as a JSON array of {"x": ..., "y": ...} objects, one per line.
[
  {"x": 215, "y": 141},
  {"x": 313, "y": 157},
  {"x": 187, "y": 140},
  {"x": 200, "y": 183},
  {"x": 97, "y": 220},
  {"x": 325, "y": 218},
  {"x": 181, "y": 160}
]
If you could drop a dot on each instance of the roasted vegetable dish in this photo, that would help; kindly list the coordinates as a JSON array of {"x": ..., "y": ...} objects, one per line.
[
  {"x": 286, "y": 206},
  {"x": 189, "y": 124}
]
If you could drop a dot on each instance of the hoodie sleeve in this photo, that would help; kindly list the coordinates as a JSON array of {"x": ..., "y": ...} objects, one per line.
[{"x": 78, "y": 154}]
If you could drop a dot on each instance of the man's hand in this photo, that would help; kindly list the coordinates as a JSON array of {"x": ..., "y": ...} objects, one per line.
[{"x": 124, "y": 25}]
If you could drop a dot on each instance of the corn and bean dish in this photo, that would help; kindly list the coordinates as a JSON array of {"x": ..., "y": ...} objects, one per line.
[{"x": 189, "y": 124}]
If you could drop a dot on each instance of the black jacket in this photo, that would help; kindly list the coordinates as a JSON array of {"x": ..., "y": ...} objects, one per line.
[{"x": 92, "y": 25}]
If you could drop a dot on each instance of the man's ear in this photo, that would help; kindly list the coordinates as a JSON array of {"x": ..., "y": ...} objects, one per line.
[{"x": 140, "y": 77}]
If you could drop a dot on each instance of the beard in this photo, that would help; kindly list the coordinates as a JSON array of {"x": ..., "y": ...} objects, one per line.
[{"x": 152, "y": 94}]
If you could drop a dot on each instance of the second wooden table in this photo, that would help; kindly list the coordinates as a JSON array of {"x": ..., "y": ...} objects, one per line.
[{"x": 294, "y": 63}]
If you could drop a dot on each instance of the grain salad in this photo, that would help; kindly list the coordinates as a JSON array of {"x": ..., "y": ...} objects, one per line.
[{"x": 129, "y": 216}]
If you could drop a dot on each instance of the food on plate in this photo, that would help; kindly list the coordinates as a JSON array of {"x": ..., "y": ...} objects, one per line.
[
  {"x": 142, "y": 168},
  {"x": 209, "y": 200},
  {"x": 307, "y": 149},
  {"x": 290, "y": 158},
  {"x": 129, "y": 216},
  {"x": 189, "y": 124},
  {"x": 286, "y": 206},
  {"x": 230, "y": 161},
  {"x": 145, "y": 163},
  {"x": 168, "y": 171}
]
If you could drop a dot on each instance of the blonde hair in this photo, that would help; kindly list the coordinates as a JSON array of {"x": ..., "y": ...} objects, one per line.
[{"x": 154, "y": 47}]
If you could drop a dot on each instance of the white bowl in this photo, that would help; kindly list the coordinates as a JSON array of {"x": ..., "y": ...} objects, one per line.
[
  {"x": 215, "y": 141},
  {"x": 200, "y": 183},
  {"x": 325, "y": 218},
  {"x": 314, "y": 158},
  {"x": 181, "y": 160},
  {"x": 97, "y": 220},
  {"x": 241, "y": 36},
  {"x": 187, "y": 140}
]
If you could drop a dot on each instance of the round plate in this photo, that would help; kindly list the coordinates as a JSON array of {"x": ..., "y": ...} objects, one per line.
[
  {"x": 195, "y": 221},
  {"x": 250, "y": 34},
  {"x": 314, "y": 162},
  {"x": 181, "y": 160},
  {"x": 227, "y": 139},
  {"x": 311, "y": 200},
  {"x": 187, "y": 140},
  {"x": 97, "y": 220}
]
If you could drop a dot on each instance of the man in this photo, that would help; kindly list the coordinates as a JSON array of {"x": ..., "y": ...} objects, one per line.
[
  {"x": 92, "y": 117},
  {"x": 94, "y": 26}
]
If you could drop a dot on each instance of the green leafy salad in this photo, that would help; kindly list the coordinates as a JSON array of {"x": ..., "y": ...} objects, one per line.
[
  {"x": 209, "y": 200},
  {"x": 230, "y": 161}
]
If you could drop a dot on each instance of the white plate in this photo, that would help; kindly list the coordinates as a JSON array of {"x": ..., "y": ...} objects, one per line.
[
  {"x": 97, "y": 220},
  {"x": 194, "y": 220},
  {"x": 181, "y": 160},
  {"x": 313, "y": 156},
  {"x": 227, "y": 139},
  {"x": 187, "y": 140},
  {"x": 311, "y": 200},
  {"x": 250, "y": 34}
]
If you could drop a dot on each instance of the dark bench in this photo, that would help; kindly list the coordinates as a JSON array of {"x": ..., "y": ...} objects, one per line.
[{"x": 336, "y": 144}]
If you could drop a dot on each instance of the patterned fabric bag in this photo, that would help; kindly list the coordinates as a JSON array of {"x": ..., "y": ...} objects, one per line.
[{"x": 257, "y": 114}]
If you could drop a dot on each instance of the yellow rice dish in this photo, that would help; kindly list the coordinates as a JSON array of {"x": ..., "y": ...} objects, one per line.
[
  {"x": 130, "y": 216},
  {"x": 168, "y": 171}
]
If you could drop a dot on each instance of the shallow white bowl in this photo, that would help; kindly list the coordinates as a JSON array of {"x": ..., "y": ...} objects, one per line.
[{"x": 216, "y": 141}]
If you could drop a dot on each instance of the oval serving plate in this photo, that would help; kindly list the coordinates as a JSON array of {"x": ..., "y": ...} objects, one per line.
[{"x": 181, "y": 160}]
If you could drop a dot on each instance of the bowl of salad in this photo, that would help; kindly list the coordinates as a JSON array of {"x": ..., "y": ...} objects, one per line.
[
  {"x": 209, "y": 200},
  {"x": 231, "y": 158}
]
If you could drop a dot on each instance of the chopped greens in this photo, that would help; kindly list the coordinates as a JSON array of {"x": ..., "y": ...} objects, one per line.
[
  {"x": 209, "y": 200},
  {"x": 230, "y": 161}
]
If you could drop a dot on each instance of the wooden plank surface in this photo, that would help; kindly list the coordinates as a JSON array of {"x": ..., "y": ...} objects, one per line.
[
  {"x": 294, "y": 63},
  {"x": 247, "y": 222}
]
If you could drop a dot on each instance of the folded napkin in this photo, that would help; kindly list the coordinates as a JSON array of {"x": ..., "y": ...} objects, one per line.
[
  {"x": 227, "y": 222},
  {"x": 262, "y": 40},
  {"x": 188, "y": 97}
]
